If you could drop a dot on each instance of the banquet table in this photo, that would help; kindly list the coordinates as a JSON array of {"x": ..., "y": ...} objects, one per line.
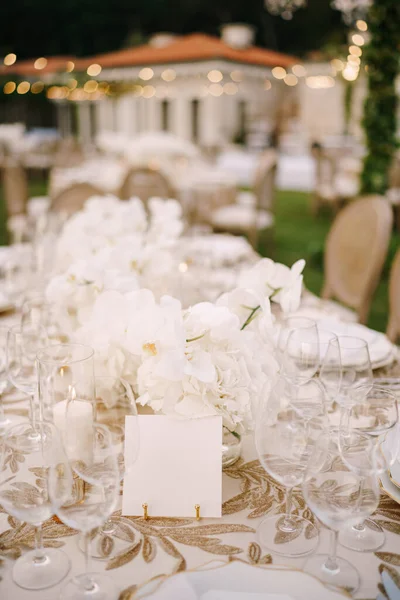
[{"x": 143, "y": 550}]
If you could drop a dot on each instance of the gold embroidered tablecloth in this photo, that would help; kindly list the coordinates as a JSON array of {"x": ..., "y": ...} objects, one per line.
[{"x": 158, "y": 546}]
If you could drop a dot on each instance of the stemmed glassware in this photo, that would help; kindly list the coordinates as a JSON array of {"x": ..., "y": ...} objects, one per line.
[
  {"x": 340, "y": 495},
  {"x": 6, "y": 421},
  {"x": 22, "y": 347},
  {"x": 375, "y": 417},
  {"x": 301, "y": 357},
  {"x": 288, "y": 424},
  {"x": 24, "y": 494},
  {"x": 356, "y": 372},
  {"x": 36, "y": 312},
  {"x": 85, "y": 490},
  {"x": 114, "y": 403},
  {"x": 330, "y": 370},
  {"x": 291, "y": 324}
]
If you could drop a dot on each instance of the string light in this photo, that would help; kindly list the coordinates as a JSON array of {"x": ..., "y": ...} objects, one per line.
[
  {"x": 291, "y": 80},
  {"x": 237, "y": 76},
  {"x": 215, "y": 76},
  {"x": 216, "y": 89},
  {"x": 148, "y": 91},
  {"x": 355, "y": 50},
  {"x": 279, "y": 72},
  {"x": 168, "y": 75},
  {"x": 361, "y": 25},
  {"x": 230, "y": 88},
  {"x": 23, "y": 87},
  {"x": 40, "y": 63},
  {"x": 90, "y": 86},
  {"x": 358, "y": 39},
  {"x": 9, "y": 87},
  {"x": 93, "y": 70},
  {"x": 70, "y": 66},
  {"x": 37, "y": 87},
  {"x": 267, "y": 85},
  {"x": 10, "y": 59},
  {"x": 299, "y": 70},
  {"x": 146, "y": 74}
]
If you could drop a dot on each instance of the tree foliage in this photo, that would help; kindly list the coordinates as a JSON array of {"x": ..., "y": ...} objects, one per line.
[{"x": 380, "y": 113}]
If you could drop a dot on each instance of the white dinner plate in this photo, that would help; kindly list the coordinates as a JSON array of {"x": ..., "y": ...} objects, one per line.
[
  {"x": 238, "y": 580},
  {"x": 389, "y": 487}
]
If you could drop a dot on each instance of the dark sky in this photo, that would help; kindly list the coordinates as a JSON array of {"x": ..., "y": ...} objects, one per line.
[{"x": 32, "y": 28}]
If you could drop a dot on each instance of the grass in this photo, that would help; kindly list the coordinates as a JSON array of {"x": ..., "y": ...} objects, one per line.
[{"x": 298, "y": 235}]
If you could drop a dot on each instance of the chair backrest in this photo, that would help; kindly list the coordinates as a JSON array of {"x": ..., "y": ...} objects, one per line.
[
  {"x": 355, "y": 252},
  {"x": 72, "y": 198},
  {"x": 265, "y": 178},
  {"x": 393, "y": 328},
  {"x": 394, "y": 174},
  {"x": 15, "y": 185},
  {"x": 69, "y": 153},
  {"x": 146, "y": 183},
  {"x": 325, "y": 165}
]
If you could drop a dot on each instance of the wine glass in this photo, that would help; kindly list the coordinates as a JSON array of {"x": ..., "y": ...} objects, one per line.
[
  {"x": 22, "y": 347},
  {"x": 114, "y": 402},
  {"x": 293, "y": 324},
  {"x": 24, "y": 494},
  {"x": 285, "y": 434},
  {"x": 330, "y": 370},
  {"x": 357, "y": 375},
  {"x": 85, "y": 490},
  {"x": 36, "y": 312},
  {"x": 66, "y": 373},
  {"x": 301, "y": 357},
  {"x": 339, "y": 496},
  {"x": 375, "y": 417}
]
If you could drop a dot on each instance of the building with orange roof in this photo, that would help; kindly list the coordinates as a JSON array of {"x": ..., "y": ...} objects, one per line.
[{"x": 203, "y": 88}]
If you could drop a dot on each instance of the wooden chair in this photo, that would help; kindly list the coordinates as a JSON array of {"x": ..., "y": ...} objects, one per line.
[
  {"x": 72, "y": 199},
  {"x": 355, "y": 252},
  {"x": 15, "y": 185},
  {"x": 146, "y": 183},
  {"x": 393, "y": 328},
  {"x": 251, "y": 213}
]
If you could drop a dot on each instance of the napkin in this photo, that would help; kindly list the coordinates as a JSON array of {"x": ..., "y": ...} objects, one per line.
[{"x": 228, "y": 595}]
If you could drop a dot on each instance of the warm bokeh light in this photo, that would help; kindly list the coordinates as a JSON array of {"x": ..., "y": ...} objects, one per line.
[
  {"x": 93, "y": 70},
  {"x": 361, "y": 25},
  {"x": 299, "y": 70},
  {"x": 237, "y": 76},
  {"x": 267, "y": 84},
  {"x": 90, "y": 86},
  {"x": 320, "y": 82},
  {"x": 291, "y": 80},
  {"x": 358, "y": 39},
  {"x": 337, "y": 64},
  {"x": 215, "y": 76},
  {"x": 355, "y": 50},
  {"x": 37, "y": 87},
  {"x": 10, "y": 59},
  {"x": 350, "y": 72},
  {"x": 23, "y": 87},
  {"x": 9, "y": 87},
  {"x": 148, "y": 91},
  {"x": 137, "y": 90},
  {"x": 146, "y": 73},
  {"x": 168, "y": 75},
  {"x": 40, "y": 63},
  {"x": 104, "y": 87},
  {"x": 70, "y": 66},
  {"x": 216, "y": 89},
  {"x": 72, "y": 83},
  {"x": 353, "y": 60},
  {"x": 279, "y": 72},
  {"x": 230, "y": 88}
]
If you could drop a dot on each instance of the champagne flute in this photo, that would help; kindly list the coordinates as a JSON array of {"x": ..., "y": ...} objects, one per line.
[
  {"x": 85, "y": 490},
  {"x": 25, "y": 460},
  {"x": 339, "y": 496},
  {"x": 285, "y": 435}
]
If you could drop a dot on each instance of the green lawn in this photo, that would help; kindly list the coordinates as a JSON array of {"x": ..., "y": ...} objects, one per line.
[{"x": 298, "y": 235}]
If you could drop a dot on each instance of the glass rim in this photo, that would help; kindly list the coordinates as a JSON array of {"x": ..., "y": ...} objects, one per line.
[
  {"x": 357, "y": 342},
  {"x": 43, "y": 357},
  {"x": 311, "y": 322}
]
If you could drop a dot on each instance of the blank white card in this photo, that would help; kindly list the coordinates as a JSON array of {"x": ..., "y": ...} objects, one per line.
[{"x": 179, "y": 465}]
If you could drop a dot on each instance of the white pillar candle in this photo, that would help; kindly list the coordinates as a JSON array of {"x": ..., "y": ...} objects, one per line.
[{"x": 74, "y": 419}]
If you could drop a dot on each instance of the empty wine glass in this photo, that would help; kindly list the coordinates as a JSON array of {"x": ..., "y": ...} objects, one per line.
[
  {"x": 375, "y": 417},
  {"x": 22, "y": 347},
  {"x": 36, "y": 312},
  {"x": 84, "y": 490},
  {"x": 301, "y": 357},
  {"x": 330, "y": 370},
  {"x": 292, "y": 324},
  {"x": 8, "y": 420},
  {"x": 339, "y": 496},
  {"x": 24, "y": 494},
  {"x": 284, "y": 436},
  {"x": 114, "y": 403}
]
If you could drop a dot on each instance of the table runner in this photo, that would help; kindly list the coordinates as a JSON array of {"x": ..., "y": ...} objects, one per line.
[{"x": 162, "y": 546}]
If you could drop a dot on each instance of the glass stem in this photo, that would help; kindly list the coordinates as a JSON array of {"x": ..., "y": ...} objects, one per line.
[
  {"x": 39, "y": 556},
  {"x": 32, "y": 411},
  {"x": 88, "y": 581},
  {"x": 331, "y": 562},
  {"x": 345, "y": 413},
  {"x": 360, "y": 526},
  {"x": 287, "y": 525}
]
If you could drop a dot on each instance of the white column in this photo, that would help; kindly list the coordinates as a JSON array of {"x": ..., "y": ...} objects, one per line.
[
  {"x": 181, "y": 117},
  {"x": 210, "y": 121},
  {"x": 103, "y": 115},
  {"x": 84, "y": 123}
]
